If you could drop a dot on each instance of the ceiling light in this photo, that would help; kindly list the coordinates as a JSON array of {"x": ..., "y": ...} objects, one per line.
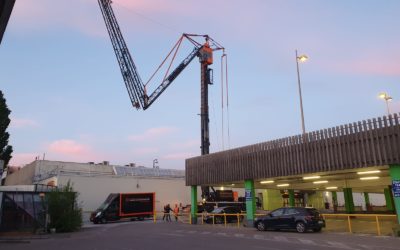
[
  {"x": 311, "y": 177},
  {"x": 283, "y": 185},
  {"x": 369, "y": 172},
  {"x": 267, "y": 182},
  {"x": 331, "y": 187},
  {"x": 233, "y": 184},
  {"x": 320, "y": 182},
  {"x": 369, "y": 178}
]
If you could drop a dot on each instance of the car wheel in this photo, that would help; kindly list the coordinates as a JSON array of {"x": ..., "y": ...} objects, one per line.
[
  {"x": 103, "y": 221},
  {"x": 95, "y": 222},
  {"x": 261, "y": 226},
  {"x": 300, "y": 227},
  {"x": 317, "y": 229}
]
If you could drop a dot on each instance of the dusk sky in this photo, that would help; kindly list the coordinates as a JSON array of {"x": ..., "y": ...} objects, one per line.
[{"x": 68, "y": 100}]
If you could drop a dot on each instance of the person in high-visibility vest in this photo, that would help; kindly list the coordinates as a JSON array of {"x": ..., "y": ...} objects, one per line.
[{"x": 176, "y": 212}]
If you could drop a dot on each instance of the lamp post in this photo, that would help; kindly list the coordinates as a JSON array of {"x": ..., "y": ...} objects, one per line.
[
  {"x": 155, "y": 161},
  {"x": 301, "y": 58},
  {"x": 387, "y": 98}
]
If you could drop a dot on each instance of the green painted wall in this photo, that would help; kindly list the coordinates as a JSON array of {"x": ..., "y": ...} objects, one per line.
[
  {"x": 316, "y": 200},
  {"x": 272, "y": 199},
  {"x": 395, "y": 176}
]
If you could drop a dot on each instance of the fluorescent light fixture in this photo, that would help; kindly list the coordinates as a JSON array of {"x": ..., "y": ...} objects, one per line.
[
  {"x": 233, "y": 184},
  {"x": 320, "y": 182},
  {"x": 267, "y": 182},
  {"x": 222, "y": 188},
  {"x": 331, "y": 188},
  {"x": 283, "y": 185},
  {"x": 369, "y": 172},
  {"x": 311, "y": 177},
  {"x": 369, "y": 178}
]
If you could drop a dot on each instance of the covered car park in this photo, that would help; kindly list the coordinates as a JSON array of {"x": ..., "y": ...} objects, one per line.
[{"x": 360, "y": 157}]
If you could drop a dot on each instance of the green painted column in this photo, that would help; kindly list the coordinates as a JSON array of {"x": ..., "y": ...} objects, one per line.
[
  {"x": 334, "y": 201},
  {"x": 367, "y": 203},
  {"x": 291, "y": 198},
  {"x": 395, "y": 175},
  {"x": 388, "y": 199},
  {"x": 193, "y": 210},
  {"x": 348, "y": 200},
  {"x": 250, "y": 200}
]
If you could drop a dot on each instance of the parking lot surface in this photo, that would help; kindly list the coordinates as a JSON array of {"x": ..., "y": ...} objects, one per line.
[{"x": 175, "y": 235}]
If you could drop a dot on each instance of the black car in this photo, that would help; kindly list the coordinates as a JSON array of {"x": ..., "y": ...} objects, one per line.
[
  {"x": 299, "y": 218},
  {"x": 231, "y": 214}
]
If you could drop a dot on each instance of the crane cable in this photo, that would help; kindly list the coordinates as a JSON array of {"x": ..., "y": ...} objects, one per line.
[{"x": 225, "y": 56}]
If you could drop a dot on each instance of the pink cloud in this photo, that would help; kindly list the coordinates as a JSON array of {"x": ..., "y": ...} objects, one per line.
[
  {"x": 152, "y": 133},
  {"x": 23, "y": 123},
  {"x": 376, "y": 67},
  {"x": 20, "y": 159},
  {"x": 68, "y": 147},
  {"x": 186, "y": 144}
]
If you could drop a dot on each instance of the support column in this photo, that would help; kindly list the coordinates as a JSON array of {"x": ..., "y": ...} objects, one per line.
[
  {"x": 348, "y": 200},
  {"x": 291, "y": 198},
  {"x": 334, "y": 201},
  {"x": 193, "y": 210},
  {"x": 250, "y": 201},
  {"x": 395, "y": 176},
  {"x": 388, "y": 199},
  {"x": 367, "y": 203}
]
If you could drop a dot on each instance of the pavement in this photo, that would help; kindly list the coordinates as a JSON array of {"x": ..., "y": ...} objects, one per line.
[{"x": 174, "y": 235}]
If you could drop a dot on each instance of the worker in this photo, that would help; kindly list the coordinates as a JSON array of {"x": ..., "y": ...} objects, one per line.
[{"x": 176, "y": 212}]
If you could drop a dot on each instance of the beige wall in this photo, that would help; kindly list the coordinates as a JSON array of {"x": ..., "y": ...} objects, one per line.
[
  {"x": 94, "y": 190},
  {"x": 23, "y": 176}
]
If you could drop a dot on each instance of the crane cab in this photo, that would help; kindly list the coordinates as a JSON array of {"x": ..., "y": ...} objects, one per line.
[{"x": 206, "y": 54}]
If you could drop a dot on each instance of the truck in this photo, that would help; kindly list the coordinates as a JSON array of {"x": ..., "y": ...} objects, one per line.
[{"x": 119, "y": 206}]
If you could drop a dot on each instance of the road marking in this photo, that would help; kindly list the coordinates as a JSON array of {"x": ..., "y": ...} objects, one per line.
[
  {"x": 258, "y": 237},
  {"x": 222, "y": 234},
  {"x": 206, "y": 232},
  {"x": 239, "y": 235},
  {"x": 281, "y": 238},
  {"x": 339, "y": 245},
  {"x": 366, "y": 247},
  {"x": 308, "y": 242},
  {"x": 172, "y": 234},
  {"x": 191, "y": 232},
  {"x": 179, "y": 231}
]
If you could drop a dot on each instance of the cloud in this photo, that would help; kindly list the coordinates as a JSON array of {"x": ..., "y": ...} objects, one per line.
[
  {"x": 20, "y": 159},
  {"x": 153, "y": 133},
  {"x": 69, "y": 147},
  {"x": 395, "y": 107},
  {"x": 23, "y": 123}
]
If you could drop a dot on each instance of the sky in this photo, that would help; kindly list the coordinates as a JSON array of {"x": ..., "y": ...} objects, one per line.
[{"x": 68, "y": 100}]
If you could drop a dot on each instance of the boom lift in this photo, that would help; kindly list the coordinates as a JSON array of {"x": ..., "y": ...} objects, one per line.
[{"x": 137, "y": 90}]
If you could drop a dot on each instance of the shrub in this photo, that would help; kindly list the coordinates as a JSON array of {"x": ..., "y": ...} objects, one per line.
[{"x": 65, "y": 216}]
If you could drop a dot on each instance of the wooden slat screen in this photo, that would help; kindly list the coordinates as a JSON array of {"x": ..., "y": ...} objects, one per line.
[{"x": 368, "y": 143}]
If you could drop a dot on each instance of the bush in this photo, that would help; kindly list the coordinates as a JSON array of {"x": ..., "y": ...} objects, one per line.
[{"x": 65, "y": 216}]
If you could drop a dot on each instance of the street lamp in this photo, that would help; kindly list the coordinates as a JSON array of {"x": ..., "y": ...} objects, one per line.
[
  {"x": 155, "y": 161},
  {"x": 301, "y": 58},
  {"x": 387, "y": 98}
]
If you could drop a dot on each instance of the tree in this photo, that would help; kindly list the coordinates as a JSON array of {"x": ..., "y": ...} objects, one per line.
[
  {"x": 65, "y": 215},
  {"x": 5, "y": 149}
]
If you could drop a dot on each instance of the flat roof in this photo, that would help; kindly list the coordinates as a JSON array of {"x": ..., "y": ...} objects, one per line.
[{"x": 6, "y": 7}]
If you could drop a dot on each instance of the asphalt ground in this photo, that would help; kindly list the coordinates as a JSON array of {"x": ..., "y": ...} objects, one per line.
[{"x": 175, "y": 235}]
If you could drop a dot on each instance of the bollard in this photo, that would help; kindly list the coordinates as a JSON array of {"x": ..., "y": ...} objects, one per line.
[
  {"x": 349, "y": 223},
  {"x": 238, "y": 220},
  {"x": 225, "y": 219},
  {"x": 378, "y": 229}
]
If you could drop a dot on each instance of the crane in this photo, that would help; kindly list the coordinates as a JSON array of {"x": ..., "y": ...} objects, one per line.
[{"x": 137, "y": 91}]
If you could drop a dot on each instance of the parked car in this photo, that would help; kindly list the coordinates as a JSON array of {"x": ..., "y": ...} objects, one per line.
[
  {"x": 299, "y": 218},
  {"x": 218, "y": 214}
]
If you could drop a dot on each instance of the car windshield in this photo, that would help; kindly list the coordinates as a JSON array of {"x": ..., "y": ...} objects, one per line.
[{"x": 217, "y": 210}]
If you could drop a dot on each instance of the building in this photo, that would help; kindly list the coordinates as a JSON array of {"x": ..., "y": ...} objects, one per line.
[
  {"x": 6, "y": 7},
  {"x": 94, "y": 182}
]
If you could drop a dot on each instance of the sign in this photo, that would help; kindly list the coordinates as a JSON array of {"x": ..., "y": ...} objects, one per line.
[
  {"x": 247, "y": 195},
  {"x": 396, "y": 188}
]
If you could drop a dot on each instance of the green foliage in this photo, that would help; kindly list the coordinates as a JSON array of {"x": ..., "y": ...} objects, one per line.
[
  {"x": 5, "y": 149},
  {"x": 65, "y": 216}
]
